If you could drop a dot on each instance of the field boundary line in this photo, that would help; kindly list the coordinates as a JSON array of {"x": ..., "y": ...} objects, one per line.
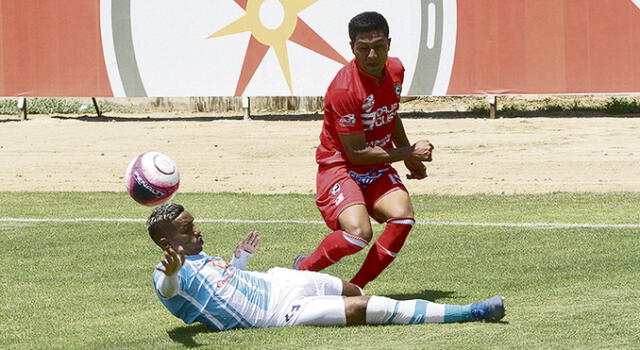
[{"x": 543, "y": 225}]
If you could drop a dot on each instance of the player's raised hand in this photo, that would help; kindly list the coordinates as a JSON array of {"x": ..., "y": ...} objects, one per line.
[
  {"x": 172, "y": 261},
  {"x": 249, "y": 244},
  {"x": 417, "y": 170},
  {"x": 422, "y": 151}
]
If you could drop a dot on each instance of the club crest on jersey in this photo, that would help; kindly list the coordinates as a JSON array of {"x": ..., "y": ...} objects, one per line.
[
  {"x": 335, "y": 189},
  {"x": 398, "y": 90},
  {"x": 368, "y": 103},
  {"x": 347, "y": 120},
  {"x": 368, "y": 178}
]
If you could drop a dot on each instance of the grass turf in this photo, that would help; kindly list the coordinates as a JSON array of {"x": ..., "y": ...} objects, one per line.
[{"x": 88, "y": 285}]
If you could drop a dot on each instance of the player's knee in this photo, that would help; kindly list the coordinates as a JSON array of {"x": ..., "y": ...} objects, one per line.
[
  {"x": 363, "y": 232},
  {"x": 402, "y": 211},
  {"x": 351, "y": 290}
]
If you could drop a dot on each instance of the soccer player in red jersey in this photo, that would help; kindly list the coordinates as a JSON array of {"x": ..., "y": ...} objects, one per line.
[{"x": 361, "y": 136}]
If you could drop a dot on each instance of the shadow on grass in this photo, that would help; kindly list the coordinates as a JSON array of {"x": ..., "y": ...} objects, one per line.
[
  {"x": 427, "y": 294},
  {"x": 185, "y": 335}
]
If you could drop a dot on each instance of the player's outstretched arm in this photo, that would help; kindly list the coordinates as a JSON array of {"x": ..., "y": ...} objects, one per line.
[
  {"x": 169, "y": 282},
  {"x": 245, "y": 249}
]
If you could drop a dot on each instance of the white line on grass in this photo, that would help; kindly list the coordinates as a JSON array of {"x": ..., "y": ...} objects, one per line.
[{"x": 428, "y": 223}]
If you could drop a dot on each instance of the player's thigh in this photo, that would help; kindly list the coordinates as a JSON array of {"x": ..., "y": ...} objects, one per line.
[
  {"x": 315, "y": 311},
  {"x": 394, "y": 204},
  {"x": 335, "y": 192},
  {"x": 388, "y": 198},
  {"x": 305, "y": 283},
  {"x": 355, "y": 221}
]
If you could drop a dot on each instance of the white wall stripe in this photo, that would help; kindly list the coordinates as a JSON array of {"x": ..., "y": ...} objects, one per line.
[
  {"x": 542, "y": 225},
  {"x": 108, "y": 49}
]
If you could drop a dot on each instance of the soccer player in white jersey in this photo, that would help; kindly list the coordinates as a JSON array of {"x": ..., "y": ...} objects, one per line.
[{"x": 197, "y": 287}]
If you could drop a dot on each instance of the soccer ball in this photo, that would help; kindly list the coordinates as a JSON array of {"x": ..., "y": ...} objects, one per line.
[{"x": 152, "y": 178}]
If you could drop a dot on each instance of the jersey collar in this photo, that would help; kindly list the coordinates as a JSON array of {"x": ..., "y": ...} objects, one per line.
[{"x": 198, "y": 256}]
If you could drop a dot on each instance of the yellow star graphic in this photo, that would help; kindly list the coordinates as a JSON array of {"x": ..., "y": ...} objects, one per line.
[{"x": 262, "y": 38}]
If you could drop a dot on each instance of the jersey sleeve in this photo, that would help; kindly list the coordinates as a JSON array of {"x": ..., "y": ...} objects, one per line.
[
  {"x": 345, "y": 109},
  {"x": 167, "y": 287}
]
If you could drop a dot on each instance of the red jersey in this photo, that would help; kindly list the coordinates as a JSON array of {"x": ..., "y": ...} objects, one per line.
[{"x": 357, "y": 103}]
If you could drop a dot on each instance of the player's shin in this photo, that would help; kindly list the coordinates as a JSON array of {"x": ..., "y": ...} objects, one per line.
[
  {"x": 382, "y": 310},
  {"x": 334, "y": 247},
  {"x": 384, "y": 251}
]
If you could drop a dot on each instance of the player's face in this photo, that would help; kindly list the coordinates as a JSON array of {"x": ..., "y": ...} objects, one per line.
[
  {"x": 186, "y": 234},
  {"x": 371, "y": 50}
]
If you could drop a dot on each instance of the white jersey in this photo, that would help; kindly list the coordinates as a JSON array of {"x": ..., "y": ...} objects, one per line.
[{"x": 225, "y": 297}]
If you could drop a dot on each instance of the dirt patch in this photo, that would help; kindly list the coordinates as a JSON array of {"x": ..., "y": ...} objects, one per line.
[{"x": 511, "y": 155}]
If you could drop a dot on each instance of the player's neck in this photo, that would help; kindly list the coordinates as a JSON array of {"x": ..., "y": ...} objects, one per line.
[{"x": 378, "y": 78}]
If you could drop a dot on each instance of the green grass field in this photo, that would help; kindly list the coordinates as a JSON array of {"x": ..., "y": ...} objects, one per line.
[{"x": 87, "y": 285}]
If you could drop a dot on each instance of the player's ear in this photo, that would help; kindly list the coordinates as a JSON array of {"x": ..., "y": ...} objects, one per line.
[
  {"x": 164, "y": 243},
  {"x": 388, "y": 44}
]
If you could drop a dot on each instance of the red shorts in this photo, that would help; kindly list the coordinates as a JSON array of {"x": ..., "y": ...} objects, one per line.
[{"x": 340, "y": 187}]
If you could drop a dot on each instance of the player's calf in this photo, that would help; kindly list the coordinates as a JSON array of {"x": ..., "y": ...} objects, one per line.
[
  {"x": 334, "y": 247},
  {"x": 384, "y": 251}
]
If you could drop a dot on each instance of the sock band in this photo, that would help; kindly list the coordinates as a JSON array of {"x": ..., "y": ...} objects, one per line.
[
  {"x": 333, "y": 247},
  {"x": 355, "y": 240},
  {"x": 402, "y": 221}
]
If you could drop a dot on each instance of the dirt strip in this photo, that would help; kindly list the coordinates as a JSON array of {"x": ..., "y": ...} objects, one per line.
[{"x": 513, "y": 155}]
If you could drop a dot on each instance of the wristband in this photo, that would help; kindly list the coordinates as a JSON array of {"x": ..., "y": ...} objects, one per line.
[{"x": 241, "y": 261}]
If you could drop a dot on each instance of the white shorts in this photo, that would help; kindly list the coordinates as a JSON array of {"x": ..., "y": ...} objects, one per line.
[{"x": 305, "y": 298}]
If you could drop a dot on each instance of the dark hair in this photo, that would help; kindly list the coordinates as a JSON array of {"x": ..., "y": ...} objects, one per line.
[
  {"x": 367, "y": 22},
  {"x": 160, "y": 217}
]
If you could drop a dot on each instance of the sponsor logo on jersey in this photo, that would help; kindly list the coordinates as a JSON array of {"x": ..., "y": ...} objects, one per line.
[
  {"x": 347, "y": 120},
  {"x": 381, "y": 142},
  {"x": 379, "y": 117},
  {"x": 398, "y": 90},
  {"x": 367, "y": 179},
  {"x": 226, "y": 279},
  {"x": 368, "y": 103},
  {"x": 221, "y": 264},
  {"x": 335, "y": 189}
]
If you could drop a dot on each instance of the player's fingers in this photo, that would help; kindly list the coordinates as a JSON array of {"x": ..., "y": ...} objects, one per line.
[
  {"x": 251, "y": 236},
  {"x": 181, "y": 253},
  {"x": 255, "y": 238},
  {"x": 167, "y": 255}
]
